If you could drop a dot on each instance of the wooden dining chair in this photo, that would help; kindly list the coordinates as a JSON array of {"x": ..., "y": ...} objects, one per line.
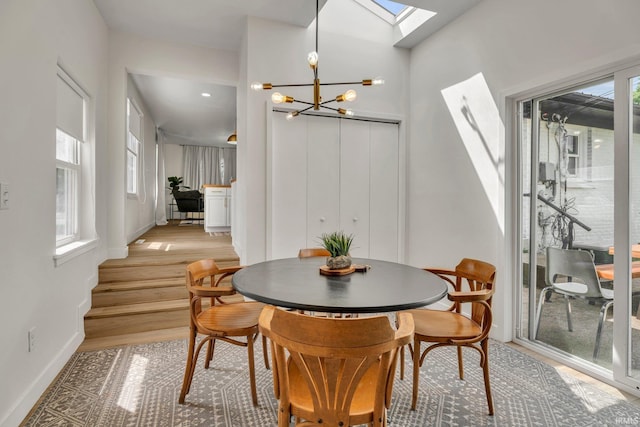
[
  {"x": 339, "y": 372},
  {"x": 216, "y": 318},
  {"x": 313, "y": 252},
  {"x": 452, "y": 327}
]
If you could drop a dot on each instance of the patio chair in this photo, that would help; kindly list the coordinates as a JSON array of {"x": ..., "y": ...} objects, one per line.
[
  {"x": 581, "y": 282},
  {"x": 339, "y": 372}
]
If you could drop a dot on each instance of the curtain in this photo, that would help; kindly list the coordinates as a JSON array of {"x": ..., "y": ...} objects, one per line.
[
  {"x": 229, "y": 169},
  {"x": 161, "y": 179},
  {"x": 202, "y": 165}
]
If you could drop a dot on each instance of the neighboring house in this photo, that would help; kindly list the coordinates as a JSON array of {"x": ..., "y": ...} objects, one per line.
[{"x": 460, "y": 169}]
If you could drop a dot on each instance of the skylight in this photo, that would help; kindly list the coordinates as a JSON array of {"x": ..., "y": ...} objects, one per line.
[{"x": 392, "y": 7}]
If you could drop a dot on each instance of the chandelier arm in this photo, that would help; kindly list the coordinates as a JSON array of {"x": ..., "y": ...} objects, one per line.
[
  {"x": 330, "y": 108},
  {"x": 294, "y": 85},
  {"x": 305, "y": 109},
  {"x": 303, "y": 102},
  {"x": 315, "y": 70},
  {"x": 328, "y": 101},
  {"x": 342, "y": 83}
]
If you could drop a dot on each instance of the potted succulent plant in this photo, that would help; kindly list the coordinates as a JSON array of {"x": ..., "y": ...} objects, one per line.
[{"x": 338, "y": 244}]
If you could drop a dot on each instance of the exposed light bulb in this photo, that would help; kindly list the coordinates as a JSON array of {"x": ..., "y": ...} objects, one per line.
[
  {"x": 377, "y": 81},
  {"x": 345, "y": 112},
  {"x": 278, "y": 98},
  {"x": 350, "y": 95},
  {"x": 261, "y": 86},
  {"x": 312, "y": 58},
  {"x": 292, "y": 115},
  {"x": 205, "y": 94}
]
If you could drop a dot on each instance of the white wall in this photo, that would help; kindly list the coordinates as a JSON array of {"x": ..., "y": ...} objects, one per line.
[
  {"x": 133, "y": 54},
  {"x": 34, "y": 36},
  {"x": 277, "y": 53},
  {"x": 140, "y": 210},
  {"x": 497, "y": 49}
]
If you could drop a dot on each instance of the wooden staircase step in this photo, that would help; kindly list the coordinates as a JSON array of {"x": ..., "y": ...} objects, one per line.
[
  {"x": 137, "y": 296},
  {"x": 143, "y": 297},
  {"x": 108, "y": 275},
  {"x": 134, "y": 318},
  {"x": 169, "y": 334},
  {"x": 142, "y": 308},
  {"x": 139, "y": 284},
  {"x": 230, "y": 258}
]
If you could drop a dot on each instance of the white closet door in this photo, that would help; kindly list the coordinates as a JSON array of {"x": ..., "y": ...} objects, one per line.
[
  {"x": 323, "y": 177},
  {"x": 288, "y": 186},
  {"x": 354, "y": 184},
  {"x": 385, "y": 194}
]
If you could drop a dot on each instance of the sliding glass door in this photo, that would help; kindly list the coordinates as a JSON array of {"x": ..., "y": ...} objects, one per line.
[
  {"x": 627, "y": 318},
  {"x": 580, "y": 216}
]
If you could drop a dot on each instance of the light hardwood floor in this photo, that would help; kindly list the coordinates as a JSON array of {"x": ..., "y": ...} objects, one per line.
[
  {"x": 152, "y": 279},
  {"x": 143, "y": 298}
]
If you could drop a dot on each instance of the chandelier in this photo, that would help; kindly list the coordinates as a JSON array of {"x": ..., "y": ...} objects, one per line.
[{"x": 318, "y": 103}]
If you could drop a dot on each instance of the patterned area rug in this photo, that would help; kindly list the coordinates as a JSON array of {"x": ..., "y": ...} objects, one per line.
[{"x": 139, "y": 385}]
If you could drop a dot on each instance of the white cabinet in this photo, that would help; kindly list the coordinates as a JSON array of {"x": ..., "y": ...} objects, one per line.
[
  {"x": 329, "y": 175},
  {"x": 217, "y": 209}
]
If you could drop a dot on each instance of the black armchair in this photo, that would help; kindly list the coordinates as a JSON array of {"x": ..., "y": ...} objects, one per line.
[{"x": 189, "y": 201}]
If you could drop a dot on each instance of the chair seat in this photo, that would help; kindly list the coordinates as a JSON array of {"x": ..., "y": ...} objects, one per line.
[
  {"x": 578, "y": 289},
  {"x": 232, "y": 319},
  {"x": 444, "y": 324},
  {"x": 361, "y": 405}
]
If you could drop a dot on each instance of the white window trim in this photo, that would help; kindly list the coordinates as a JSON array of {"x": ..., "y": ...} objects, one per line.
[
  {"x": 68, "y": 251},
  {"x": 77, "y": 168},
  {"x": 131, "y": 103}
]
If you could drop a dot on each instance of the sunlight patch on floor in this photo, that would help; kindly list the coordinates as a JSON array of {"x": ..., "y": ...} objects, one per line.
[{"x": 132, "y": 388}]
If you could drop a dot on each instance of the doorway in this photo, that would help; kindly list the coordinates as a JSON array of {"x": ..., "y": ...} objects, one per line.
[{"x": 579, "y": 194}]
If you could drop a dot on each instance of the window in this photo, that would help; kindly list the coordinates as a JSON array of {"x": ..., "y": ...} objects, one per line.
[
  {"x": 70, "y": 122},
  {"x": 394, "y": 8},
  {"x": 133, "y": 146},
  {"x": 572, "y": 155},
  {"x": 67, "y": 183}
]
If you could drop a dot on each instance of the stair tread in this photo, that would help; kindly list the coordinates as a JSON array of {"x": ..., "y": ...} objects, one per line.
[
  {"x": 90, "y": 344},
  {"x": 139, "y": 284},
  {"x": 141, "y": 261},
  {"x": 145, "y": 307}
]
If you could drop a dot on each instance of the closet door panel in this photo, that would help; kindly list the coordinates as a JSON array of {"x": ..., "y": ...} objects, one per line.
[
  {"x": 288, "y": 187},
  {"x": 354, "y": 185},
  {"x": 385, "y": 196},
  {"x": 323, "y": 177}
]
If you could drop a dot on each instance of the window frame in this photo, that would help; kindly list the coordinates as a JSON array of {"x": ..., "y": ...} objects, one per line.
[
  {"x": 72, "y": 167},
  {"x": 73, "y": 171},
  {"x": 134, "y": 150}
]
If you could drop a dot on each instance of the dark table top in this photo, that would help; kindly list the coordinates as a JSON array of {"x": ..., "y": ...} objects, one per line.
[{"x": 297, "y": 283}]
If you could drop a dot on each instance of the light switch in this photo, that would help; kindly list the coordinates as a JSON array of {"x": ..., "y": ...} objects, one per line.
[{"x": 4, "y": 195}]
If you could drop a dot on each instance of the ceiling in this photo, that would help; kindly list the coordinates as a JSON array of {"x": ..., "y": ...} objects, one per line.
[
  {"x": 176, "y": 105},
  {"x": 180, "y": 110}
]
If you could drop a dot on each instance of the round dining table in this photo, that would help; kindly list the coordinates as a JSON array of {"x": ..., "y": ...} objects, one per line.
[{"x": 297, "y": 283}]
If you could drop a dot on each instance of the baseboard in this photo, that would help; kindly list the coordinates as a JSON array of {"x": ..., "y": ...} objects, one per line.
[
  {"x": 118, "y": 253},
  {"x": 35, "y": 390},
  {"x": 139, "y": 232}
]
